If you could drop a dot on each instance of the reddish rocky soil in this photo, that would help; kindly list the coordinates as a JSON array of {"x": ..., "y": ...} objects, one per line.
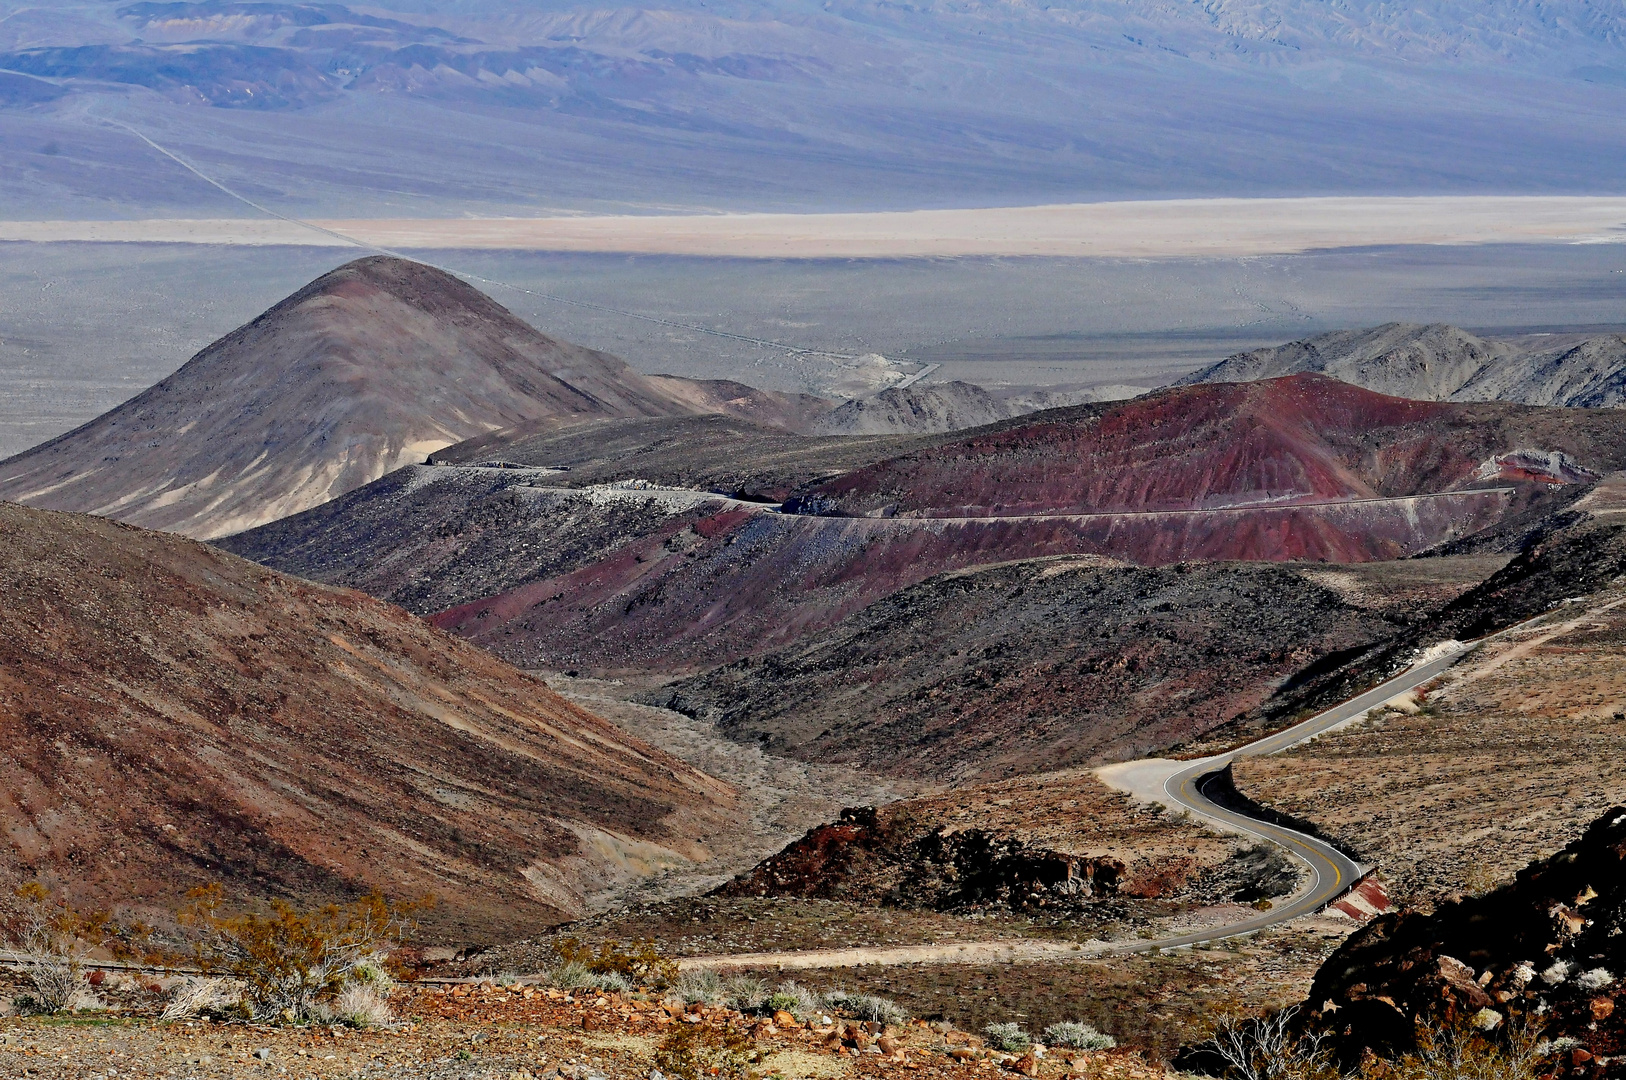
[
  {"x": 1300, "y": 438},
  {"x": 174, "y": 715},
  {"x": 521, "y": 1032},
  {"x": 366, "y": 369}
]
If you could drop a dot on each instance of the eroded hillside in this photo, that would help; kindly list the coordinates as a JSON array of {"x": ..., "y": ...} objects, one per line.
[
  {"x": 174, "y": 715},
  {"x": 1050, "y": 663}
]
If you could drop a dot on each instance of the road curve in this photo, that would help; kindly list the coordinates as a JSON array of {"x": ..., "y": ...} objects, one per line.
[{"x": 1331, "y": 871}]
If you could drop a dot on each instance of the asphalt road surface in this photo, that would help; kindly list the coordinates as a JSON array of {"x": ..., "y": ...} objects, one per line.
[{"x": 1333, "y": 872}]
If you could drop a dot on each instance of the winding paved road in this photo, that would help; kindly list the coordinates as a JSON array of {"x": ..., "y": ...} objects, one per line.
[
  {"x": 1332, "y": 872},
  {"x": 1176, "y": 784}
]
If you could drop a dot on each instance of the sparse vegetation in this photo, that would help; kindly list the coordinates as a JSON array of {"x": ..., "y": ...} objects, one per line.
[
  {"x": 1078, "y": 1036},
  {"x": 640, "y": 963},
  {"x": 745, "y": 993},
  {"x": 866, "y": 1006},
  {"x": 294, "y": 965},
  {"x": 701, "y": 985},
  {"x": 53, "y": 939},
  {"x": 575, "y": 975},
  {"x": 694, "y": 1052},
  {"x": 795, "y": 999},
  {"x": 1464, "y": 1053},
  {"x": 1009, "y": 1037},
  {"x": 1269, "y": 1048},
  {"x": 199, "y": 996}
]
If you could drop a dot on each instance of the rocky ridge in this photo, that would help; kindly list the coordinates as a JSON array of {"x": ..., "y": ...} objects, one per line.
[{"x": 1438, "y": 362}]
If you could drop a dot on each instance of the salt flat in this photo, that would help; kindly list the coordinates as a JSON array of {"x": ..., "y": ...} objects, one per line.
[{"x": 1142, "y": 229}]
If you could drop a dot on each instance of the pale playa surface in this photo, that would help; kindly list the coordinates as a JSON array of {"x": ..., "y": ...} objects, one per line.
[{"x": 1188, "y": 227}]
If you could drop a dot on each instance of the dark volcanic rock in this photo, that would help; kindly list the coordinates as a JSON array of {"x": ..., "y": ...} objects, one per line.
[
  {"x": 1033, "y": 665},
  {"x": 430, "y": 538},
  {"x": 1549, "y": 948},
  {"x": 890, "y": 858}
]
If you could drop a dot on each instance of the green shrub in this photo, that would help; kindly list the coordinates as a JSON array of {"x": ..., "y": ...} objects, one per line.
[
  {"x": 639, "y": 962},
  {"x": 1078, "y": 1036},
  {"x": 866, "y": 1007},
  {"x": 1008, "y": 1037},
  {"x": 574, "y": 975},
  {"x": 696, "y": 1052},
  {"x": 799, "y": 1001}
]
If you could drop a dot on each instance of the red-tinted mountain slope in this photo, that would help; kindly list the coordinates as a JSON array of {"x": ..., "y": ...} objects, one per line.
[
  {"x": 174, "y": 715},
  {"x": 1298, "y": 439},
  {"x": 1301, "y": 468},
  {"x": 366, "y": 369}
]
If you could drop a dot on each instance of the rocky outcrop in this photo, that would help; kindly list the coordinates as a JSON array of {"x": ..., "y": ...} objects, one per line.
[
  {"x": 1443, "y": 363},
  {"x": 1548, "y": 950},
  {"x": 883, "y": 858}
]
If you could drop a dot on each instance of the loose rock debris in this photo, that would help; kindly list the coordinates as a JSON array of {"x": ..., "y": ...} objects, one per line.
[{"x": 494, "y": 1032}]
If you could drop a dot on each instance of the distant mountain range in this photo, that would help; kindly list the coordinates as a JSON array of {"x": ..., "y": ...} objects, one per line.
[
  {"x": 368, "y": 368},
  {"x": 807, "y": 104},
  {"x": 1443, "y": 363}
]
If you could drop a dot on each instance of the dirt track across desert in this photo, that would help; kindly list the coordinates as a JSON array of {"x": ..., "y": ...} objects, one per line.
[{"x": 1147, "y": 229}]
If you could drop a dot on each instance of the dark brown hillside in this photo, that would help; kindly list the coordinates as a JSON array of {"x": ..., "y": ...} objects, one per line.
[
  {"x": 366, "y": 369},
  {"x": 1044, "y": 664},
  {"x": 174, "y": 715}
]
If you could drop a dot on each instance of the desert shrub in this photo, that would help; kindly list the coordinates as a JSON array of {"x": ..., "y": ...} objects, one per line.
[
  {"x": 1464, "y": 1052},
  {"x": 797, "y": 1000},
  {"x": 52, "y": 941},
  {"x": 866, "y": 1006},
  {"x": 361, "y": 1005},
  {"x": 293, "y": 964},
  {"x": 700, "y": 985},
  {"x": 1268, "y": 1048},
  {"x": 1078, "y": 1036},
  {"x": 696, "y": 1052},
  {"x": 199, "y": 995},
  {"x": 574, "y": 975},
  {"x": 1008, "y": 1037},
  {"x": 639, "y": 962},
  {"x": 745, "y": 993}
]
